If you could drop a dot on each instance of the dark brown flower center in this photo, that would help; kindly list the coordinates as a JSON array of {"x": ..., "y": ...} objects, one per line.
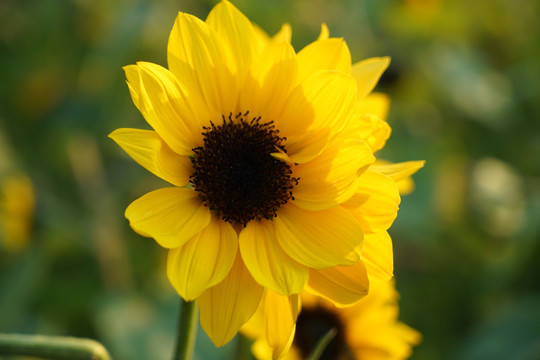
[
  {"x": 234, "y": 173},
  {"x": 312, "y": 325}
]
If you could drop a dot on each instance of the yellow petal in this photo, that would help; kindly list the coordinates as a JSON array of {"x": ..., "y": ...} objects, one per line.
[
  {"x": 373, "y": 130},
  {"x": 367, "y": 73},
  {"x": 309, "y": 145},
  {"x": 165, "y": 106},
  {"x": 330, "y": 178},
  {"x": 204, "y": 260},
  {"x": 327, "y": 54},
  {"x": 376, "y": 104},
  {"x": 132, "y": 72},
  {"x": 272, "y": 78},
  {"x": 405, "y": 186},
  {"x": 261, "y": 36},
  {"x": 284, "y": 34},
  {"x": 400, "y": 173},
  {"x": 170, "y": 215},
  {"x": 261, "y": 350},
  {"x": 375, "y": 203},
  {"x": 274, "y": 323},
  {"x": 283, "y": 157},
  {"x": 254, "y": 328},
  {"x": 325, "y": 33},
  {"x": 150, "y": 151},
  {"x": 318, "y": 239},
  {"x": 377, "y": 255},
  {"x": 230, "y": 304},
  {"x": 317, "y": 109},
  {"x": 237, "y": 31},
  {"x": 281, "y": 313},
  {"x": 343, "y": 285},
  {"x": 201, "y": 60},
  {"x": 267, "y": 262},
  {"x": 374, "y": 328}
]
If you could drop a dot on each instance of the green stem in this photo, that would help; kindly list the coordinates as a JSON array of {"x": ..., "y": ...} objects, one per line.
[
  {"x": 243, "y": 348},
  {"x": 187, "y": 331},
  {"x": 321, "y": 345},
  {"x": 52, "y": 347}
]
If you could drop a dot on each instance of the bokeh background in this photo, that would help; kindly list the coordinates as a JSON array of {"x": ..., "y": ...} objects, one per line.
[{"x": 465, "y": 88}]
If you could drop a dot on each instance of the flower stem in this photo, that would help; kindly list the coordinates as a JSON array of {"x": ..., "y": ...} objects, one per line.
[
  {"x": 187, "y": 331},
  {"x": 317, "y": 352},
  {"x": 52, "y": 347},
  {"x": 243, "y": 348}
]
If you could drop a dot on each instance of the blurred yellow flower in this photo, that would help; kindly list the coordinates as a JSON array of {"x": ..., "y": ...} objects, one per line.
[
  {"x": 270, "y": 153},
  {"x": 16, "y": 211},
  {"x": 367, "y": 330}
]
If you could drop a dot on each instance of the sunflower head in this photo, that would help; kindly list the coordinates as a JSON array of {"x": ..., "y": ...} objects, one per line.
[
  {"x": 269, "y": 154},
  {"x": 252, "y": 184},
  {"x": 367, "y": 330}
]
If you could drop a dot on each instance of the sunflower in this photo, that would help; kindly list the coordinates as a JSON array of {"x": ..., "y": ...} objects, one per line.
[
  {"x": 16, "y": 211},
  {"x": 269, "y": 153},
  {"x": 367, "y": 330}
]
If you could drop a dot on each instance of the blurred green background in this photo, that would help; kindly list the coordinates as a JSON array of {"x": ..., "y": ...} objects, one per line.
[{"x": 465, "y": 88}]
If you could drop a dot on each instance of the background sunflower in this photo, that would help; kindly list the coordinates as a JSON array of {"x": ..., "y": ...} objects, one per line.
[
  {"x": 367, "y": 330},
  {"x": 466, "y": 240}
]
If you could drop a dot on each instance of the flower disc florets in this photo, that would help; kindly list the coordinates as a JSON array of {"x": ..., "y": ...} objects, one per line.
[{"x": 235, "y": 173}]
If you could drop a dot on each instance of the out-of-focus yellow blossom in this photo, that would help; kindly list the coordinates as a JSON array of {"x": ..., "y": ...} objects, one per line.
[
  {"x": 367, "y": 330},
  {"x": 16, "y": 211}
]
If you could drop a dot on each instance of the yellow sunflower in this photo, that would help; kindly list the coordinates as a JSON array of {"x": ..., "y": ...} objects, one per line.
[
  {"x": 16, "y": 211},
  {"x": 269, "y": 153},
  {"x": 367, "y": 330}
]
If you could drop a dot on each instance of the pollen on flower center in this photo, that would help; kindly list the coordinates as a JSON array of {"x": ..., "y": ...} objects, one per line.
[{"x": 234, "y": 173}]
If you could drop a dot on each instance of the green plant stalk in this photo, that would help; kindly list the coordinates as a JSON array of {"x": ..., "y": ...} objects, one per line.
[
  {"x": 243, "y": 348},
  {"x": 52, "y": 347},
  {"x": 318, "y": 350},
  {"x": 187, "y": 331}
]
